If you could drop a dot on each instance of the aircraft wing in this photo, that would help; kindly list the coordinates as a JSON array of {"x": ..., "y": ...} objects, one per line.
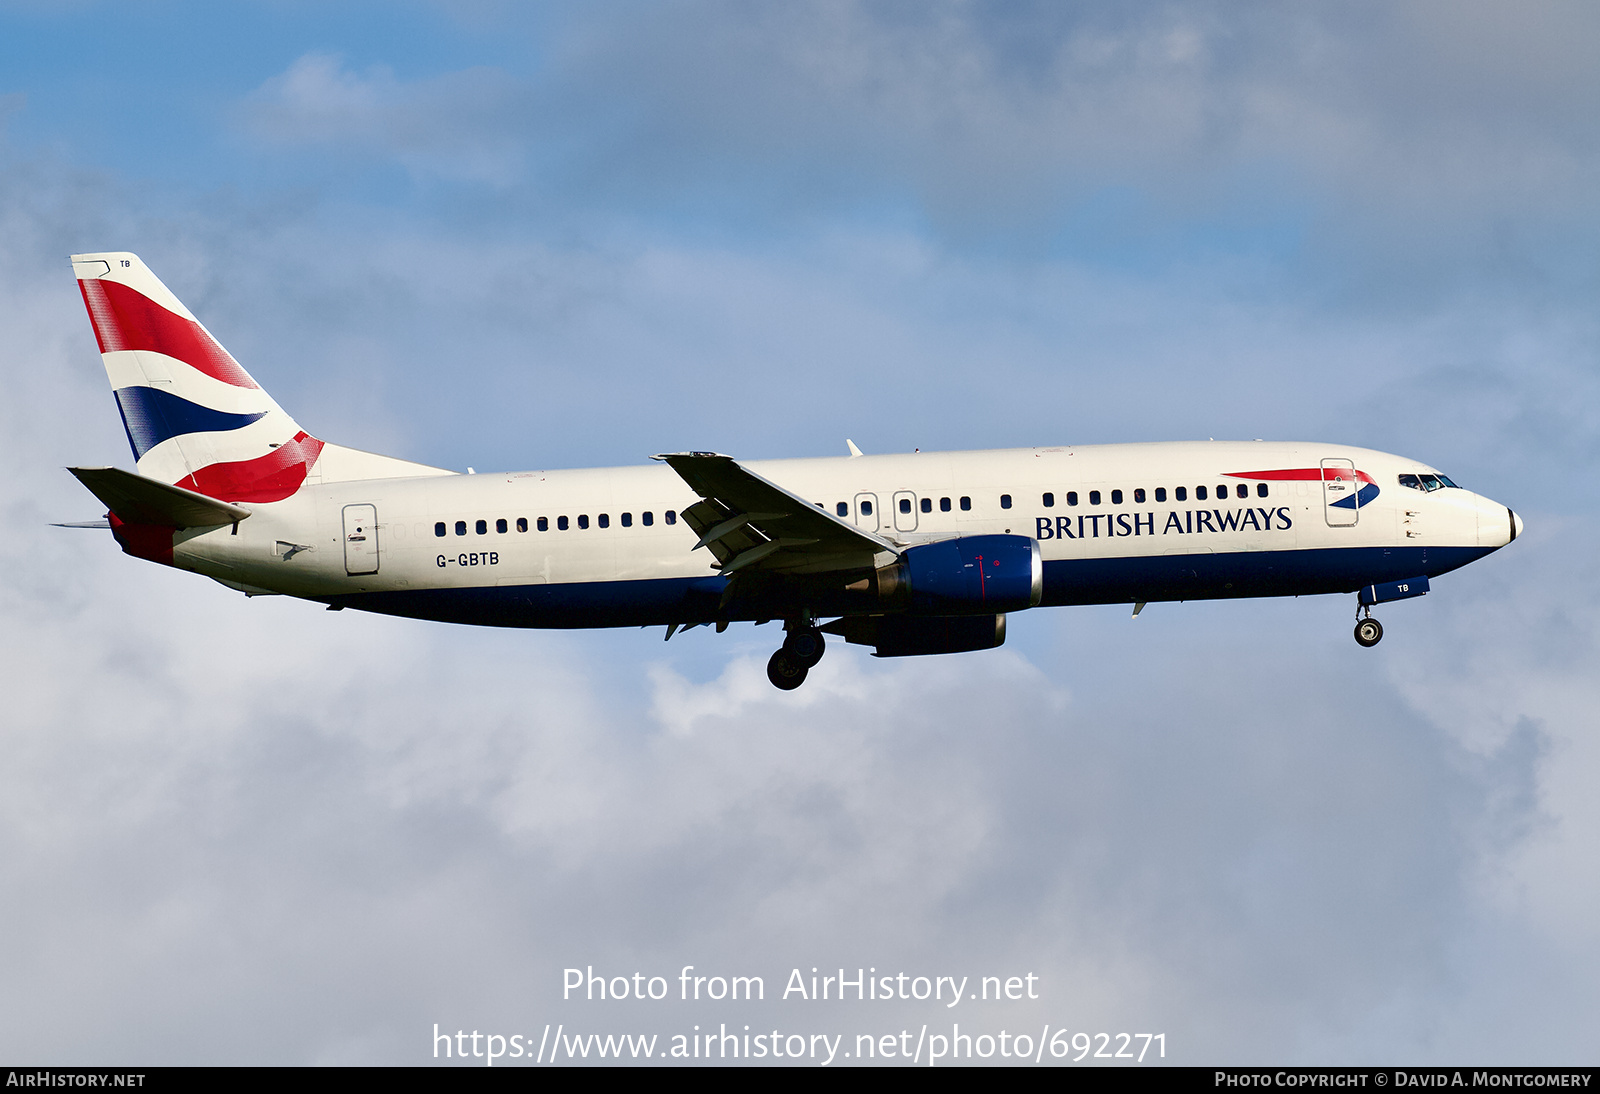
[{"x": 749, "y": 523}]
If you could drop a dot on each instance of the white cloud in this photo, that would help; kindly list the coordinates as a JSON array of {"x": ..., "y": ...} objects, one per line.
[
  {"x": 1406, "y": 118},
  {"x": 451, "y": 127},
  {"x": 1387, "y": 153}
]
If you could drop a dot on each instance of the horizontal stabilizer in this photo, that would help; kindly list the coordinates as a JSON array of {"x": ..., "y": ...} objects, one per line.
[{"x": 138, "y": 500}]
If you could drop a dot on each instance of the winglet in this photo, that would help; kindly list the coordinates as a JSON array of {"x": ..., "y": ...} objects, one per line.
[
  {"x": 854, "y": 451},
  {"x": 668, "y": 457}
]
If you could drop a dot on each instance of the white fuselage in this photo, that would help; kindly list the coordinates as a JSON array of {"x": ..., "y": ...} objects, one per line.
[{"x": 604, "y": 547}]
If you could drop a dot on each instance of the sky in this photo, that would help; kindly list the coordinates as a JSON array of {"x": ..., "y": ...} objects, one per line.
[{"x": 513, "y": 237}]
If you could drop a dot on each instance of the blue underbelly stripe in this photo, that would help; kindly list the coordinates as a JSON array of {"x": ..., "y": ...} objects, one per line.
[{"x": 1153, "y": 578}]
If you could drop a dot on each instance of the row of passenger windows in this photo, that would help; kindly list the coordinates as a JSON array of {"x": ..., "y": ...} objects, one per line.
[
  {"x": 502, "y": 525},
  {"x": 1179, "y": 493},
  {"x": 926, "y": 504},
  {"x": 647, "y": 519}
]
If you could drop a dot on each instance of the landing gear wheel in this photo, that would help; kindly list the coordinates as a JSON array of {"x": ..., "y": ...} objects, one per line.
[
  {"x": 1369, "y": 632},
  {"x": 785, "y": 671},
  {"x": 806, "y": 646}
]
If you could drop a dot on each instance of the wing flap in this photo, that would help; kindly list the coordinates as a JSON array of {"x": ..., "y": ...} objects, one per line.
[
  {"x": 138, "y": 500},
  {"x": 750, "y": 523}
]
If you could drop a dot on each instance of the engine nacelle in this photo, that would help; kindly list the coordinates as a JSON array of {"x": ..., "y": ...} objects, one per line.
[
  {"x": 972, "y": 575},
  {"x": 918, "y": 635}
]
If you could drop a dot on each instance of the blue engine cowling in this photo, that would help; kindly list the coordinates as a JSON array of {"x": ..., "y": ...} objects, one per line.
[{"x": 972, "y": 575}]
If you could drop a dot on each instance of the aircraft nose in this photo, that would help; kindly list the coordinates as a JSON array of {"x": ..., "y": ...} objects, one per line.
[{"x": 1498, "y": 525}]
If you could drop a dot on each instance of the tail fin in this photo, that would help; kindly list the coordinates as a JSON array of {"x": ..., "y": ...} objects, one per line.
[{"x": 193, "y": 415}]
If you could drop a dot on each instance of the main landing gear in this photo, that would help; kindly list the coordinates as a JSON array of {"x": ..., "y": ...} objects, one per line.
[
  {"x": 803, "y": 647},
  {"x": 1369, "y": 632}
]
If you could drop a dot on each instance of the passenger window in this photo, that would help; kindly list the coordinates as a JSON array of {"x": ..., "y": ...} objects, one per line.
[
  {"x": 671, "y": 517},
  {"x": 966, "y": 504},
  {"x": 627, "y": 520},
  {"x": 1180, "y": 493},
  {"x": 1199, "y": 493},
  {"x": 1072, "y": 497},
  {"x": 905, "y": 505},
  {"x": 522, "y": 524},
  {"x": 944, "y": 505},
  {"x": 1005, "y": 501},
  {"x": 544, "y": 524},
  {"x": 1138, "y": 496},
  {"x": 866, "y": 508},
  {"x": 647, "y": 518},
  {"x": 1094, "y": 497},
  {"x": 1222, "y": 492},
  {"x": 583, "y": 520},
  {"x": 927, "y": 505},
  {"x": 842, "y": 509},
  {"x": 605, "y": 520},
  {"x": 1261, "y": 489},
  {"x": 438, "y": 529},
  {"x": 501, "y": 525},
  {"x": 1049, "y": 501},
  {"x": 1241, "y": 491},
  {"x": 1116, "y": 497},
  {"x": 1161, "y": 493},
  {"x": 461, "y": 527},
  {"x": 561, "y": 524},
  {"x": 481, "y": 527}
]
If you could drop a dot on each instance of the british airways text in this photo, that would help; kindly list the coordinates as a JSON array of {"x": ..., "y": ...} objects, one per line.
[{"x": 1188, "y": 522}]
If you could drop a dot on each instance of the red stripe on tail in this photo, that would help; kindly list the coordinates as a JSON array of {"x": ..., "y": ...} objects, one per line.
[
  {"x": 272, "y": 477},
  {"x": 126, "y": 319}
]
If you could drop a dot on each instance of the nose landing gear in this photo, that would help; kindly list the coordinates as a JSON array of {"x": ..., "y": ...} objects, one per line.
[
  {"x": 1369, "y": 632},
  {"x": 803, "y": 647}
]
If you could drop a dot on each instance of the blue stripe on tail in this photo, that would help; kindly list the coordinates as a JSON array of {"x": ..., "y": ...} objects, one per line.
[{"x": 151, "y": 415}]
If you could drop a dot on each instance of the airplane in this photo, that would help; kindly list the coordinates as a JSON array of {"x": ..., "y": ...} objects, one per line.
[{"x": 916, "y": 554}]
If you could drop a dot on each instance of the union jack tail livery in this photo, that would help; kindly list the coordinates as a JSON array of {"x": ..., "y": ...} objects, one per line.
[{"x": 194, "y": 417}]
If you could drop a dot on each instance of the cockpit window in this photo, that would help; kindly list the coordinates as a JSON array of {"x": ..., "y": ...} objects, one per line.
[{"x": 1427, "y": 483}]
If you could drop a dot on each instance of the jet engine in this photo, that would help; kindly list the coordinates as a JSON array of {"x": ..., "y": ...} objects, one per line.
[{"x": 971, "y": 575}]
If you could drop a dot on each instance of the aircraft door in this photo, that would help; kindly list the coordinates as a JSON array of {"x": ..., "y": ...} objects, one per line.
[
  {"x": 360, "y": 539},
  {"x": 905, "y": 511},
  {"x": 867, "y": 512},
  {"x": 1341, "y": 493}
]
